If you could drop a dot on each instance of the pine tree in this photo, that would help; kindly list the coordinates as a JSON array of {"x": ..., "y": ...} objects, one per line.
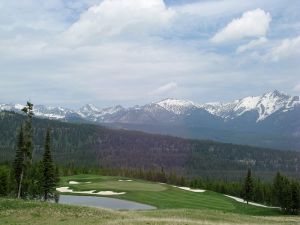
[
  {"x": 278, "y": 189},
  {"x": 48, "y": 173},
  {"x": 19, "y": 166},
  {"x": 4, "y": 175},
  {"x": 248, "y": 187},
  {"x": 28, "y": 143},
  {"x": 23, "y": 156},
  {"x": 295, "y": 197},
  {"x": 56, "y": 177},
  {"x": 34, "y": 188}
]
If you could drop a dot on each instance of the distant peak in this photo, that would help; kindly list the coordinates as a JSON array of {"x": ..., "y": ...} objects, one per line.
[
  {"x": 90, "y": 107},
  {"x": 176, "y": 106},
  {"x": 276, "y": 93},
  {"x": 175, "y": 101}
]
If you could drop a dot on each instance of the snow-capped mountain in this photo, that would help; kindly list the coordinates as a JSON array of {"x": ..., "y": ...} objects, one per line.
[
  {"x": 177, "y": 106},
  {"x": 95, "y": 114},
  {"x": 262, "y": 120},
  {"x": 40, "y": 110},
  {"x": 265, "y": 106}
]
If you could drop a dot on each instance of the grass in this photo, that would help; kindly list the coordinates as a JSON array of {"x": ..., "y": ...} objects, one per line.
[
  {"x": 175, "y": 207},
  {"x": 165, "y": 196},
  {"x": 119, "y": 186},
  {"x": 20, "y": 212}
]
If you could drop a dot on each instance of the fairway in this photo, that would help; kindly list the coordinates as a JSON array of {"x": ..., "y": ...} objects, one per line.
[
  {"x": 119, "y": 186},
  {"x": 164, "y": 196}
]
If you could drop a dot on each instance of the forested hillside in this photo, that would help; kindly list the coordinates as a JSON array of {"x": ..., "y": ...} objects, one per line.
[{"x": 92, "y": 145}]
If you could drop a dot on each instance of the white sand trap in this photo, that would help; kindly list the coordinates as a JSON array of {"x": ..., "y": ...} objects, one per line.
[
  {"x": 64, "y": 190},
  {"x": 190, "y": 189},
  {"x": 250, "y": 203},
  {"x": 107, "y": 193},
  {"x": 73, "y": 182},
  {"x": 92, "y": 192},
  {"x": 125, "y": 180}
]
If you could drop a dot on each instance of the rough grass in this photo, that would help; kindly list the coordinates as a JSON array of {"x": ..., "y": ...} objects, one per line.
[
  {"x": 165, "y": 196},
  {"x": 37, "y": 213}
]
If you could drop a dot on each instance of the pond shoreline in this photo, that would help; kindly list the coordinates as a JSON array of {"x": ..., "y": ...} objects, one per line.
[{"x": 103, "y": 202}]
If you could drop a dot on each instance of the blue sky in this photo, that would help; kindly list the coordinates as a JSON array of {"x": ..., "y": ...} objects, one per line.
[{"x": 107, "y": 52}]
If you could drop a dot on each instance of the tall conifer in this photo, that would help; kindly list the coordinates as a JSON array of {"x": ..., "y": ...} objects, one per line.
[
  {"x": 19, "y": 163},
  {"x": 248, "y": 187},
  {"x": 23, "y": 156},
  {"x": 49, "y": 177}
]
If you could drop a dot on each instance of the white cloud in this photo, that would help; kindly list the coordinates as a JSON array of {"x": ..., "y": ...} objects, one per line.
[
  {"x": 297, "y": 88},
  {"x": 164, "y": 89},
  {"x": 287, "y": 48},
  {"x": 252, "y": 44},
  {"x": 253, "y": 23},
  {"x": 112, "y": 18},
  {"x": 112, "y": 51}
]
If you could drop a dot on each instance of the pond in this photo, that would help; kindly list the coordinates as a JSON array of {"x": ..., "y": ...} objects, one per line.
[{"x": 103, "y": 202}]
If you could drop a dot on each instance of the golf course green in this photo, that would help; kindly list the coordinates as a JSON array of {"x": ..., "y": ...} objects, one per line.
[
  {"x": 174, "y": 206},
  {"x": 162, "y": 196}
]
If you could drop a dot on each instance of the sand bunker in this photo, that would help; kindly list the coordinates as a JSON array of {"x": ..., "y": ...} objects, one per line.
[
  {"x": 125, "y": 180},
  {"x": 190, "y": 189},
  {"x": 110, "y": 193},
  {"x": 64, "y": 189},
  {"x": 73, "y": 182},
  {"x": 92, "y": 192},
  {"x": 250, "y": 203}
]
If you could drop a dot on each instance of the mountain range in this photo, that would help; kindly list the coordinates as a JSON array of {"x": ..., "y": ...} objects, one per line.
[{"x": 270, "y": 120}]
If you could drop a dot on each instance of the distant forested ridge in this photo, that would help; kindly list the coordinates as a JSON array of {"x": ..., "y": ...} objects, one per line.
[{"x": 93, "y": 145}]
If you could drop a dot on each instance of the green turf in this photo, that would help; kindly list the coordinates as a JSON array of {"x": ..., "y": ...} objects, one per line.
[
  {"x": 119, "y": 186},
  {"x": 165, "y": 196},
  {"x": 19, "y": 212}
]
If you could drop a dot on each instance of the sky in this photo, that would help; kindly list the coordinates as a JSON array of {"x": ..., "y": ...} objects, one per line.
[{"x": 107, "y": 52}]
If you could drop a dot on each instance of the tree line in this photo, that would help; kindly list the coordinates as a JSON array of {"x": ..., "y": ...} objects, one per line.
[{"x": 24, "y": 178}]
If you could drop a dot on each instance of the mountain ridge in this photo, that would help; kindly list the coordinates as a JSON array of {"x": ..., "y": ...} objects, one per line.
[
  {"x": 265, "y": 105},
  {"x": 271, "y": 120}
]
